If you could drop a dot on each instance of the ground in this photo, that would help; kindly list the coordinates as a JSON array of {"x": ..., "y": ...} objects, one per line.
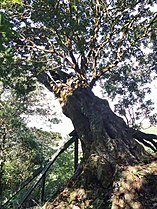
[
  {"x": 137, "y": 187},
  {"x": 134, "y": 187}
]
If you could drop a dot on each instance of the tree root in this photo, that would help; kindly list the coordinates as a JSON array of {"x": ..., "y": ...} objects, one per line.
[{"x": 147, "y": 140}]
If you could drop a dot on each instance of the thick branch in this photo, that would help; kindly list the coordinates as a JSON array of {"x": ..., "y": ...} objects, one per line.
[
  {"x": 52, "y": 51},
  {"x": 104, "y": 70},
  {"x": 44, "y": 79}
]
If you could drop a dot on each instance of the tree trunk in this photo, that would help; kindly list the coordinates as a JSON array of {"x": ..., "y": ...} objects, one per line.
[
  {"x": 108, "y": 146},
  {"x": 109, "y": 149},
  {"x": 102, "y": 133}
]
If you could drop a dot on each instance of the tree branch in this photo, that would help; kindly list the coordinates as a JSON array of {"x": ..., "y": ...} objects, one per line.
[
  {"x": 120, "y": 54},
  {"x": 52, "y": 50},
  {"x": 45, "y": 80},
  {"x": 104, "y": 70}
]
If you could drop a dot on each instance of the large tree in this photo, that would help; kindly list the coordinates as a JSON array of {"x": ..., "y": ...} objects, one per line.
[{"x": 70, "y": 45}]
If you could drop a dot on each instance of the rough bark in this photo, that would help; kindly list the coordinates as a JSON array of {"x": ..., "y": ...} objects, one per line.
[
  {"x": 109, "y": 148},
  {"x": 100, "y": 130}
]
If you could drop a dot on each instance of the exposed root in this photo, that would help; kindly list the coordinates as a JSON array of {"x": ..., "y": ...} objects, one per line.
[{"x": 147, "y": 140}]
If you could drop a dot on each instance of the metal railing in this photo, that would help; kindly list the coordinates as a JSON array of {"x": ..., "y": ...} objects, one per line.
[{"x": 40, "y": 173}]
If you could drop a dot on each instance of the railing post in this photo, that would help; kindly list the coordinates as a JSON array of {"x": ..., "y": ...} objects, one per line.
[
  {"x": 40, "y": 173},
  {"x": 76, "y": 153},
  {"x": 43, "y": 189}
]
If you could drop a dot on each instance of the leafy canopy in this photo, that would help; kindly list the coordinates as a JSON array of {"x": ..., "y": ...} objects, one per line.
[{"x": 93, "y": 39}]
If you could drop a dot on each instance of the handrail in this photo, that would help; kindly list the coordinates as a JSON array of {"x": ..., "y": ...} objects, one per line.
[
  {"x": 27, "y": 181},
  {"x": 40, "y": 173}
]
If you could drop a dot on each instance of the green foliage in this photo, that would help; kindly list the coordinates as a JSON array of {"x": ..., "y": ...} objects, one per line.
[
  {"x": 58, "y": 175},
  {"x": 23, "y": 150},
  {"x": 20, "y": 152},
  {"x": 48, "y": 140},
  {"x": 5, "y": 34},
  {"x": 130, "y": 86},
  {"x": 98, "y": 39},
  {"x": 17, "y": 78},
  {"x": 81, "y": 26},
  {"x": 6, "y": 31},
  {"x": 9, "y": 3}
]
